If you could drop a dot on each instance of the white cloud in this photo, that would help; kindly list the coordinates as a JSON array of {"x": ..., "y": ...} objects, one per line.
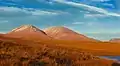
[
  {"x": 15, "y": 0},
  {"x": 4, "y": 21},
  {"x": 12, "y": 11},
  {"x": 90, "y": 23},
  {"x": 90, "y": 8},
  {"x": 100, "y": 0},
  {"x": 78, "y": 23},
  {"x": 110, "y": 5},
  {"x": 85, "y": 23},
  {"x": 95, "y": 15},
  {"x": 8, "y": 3},
  {"x": 39, "y": 12}
]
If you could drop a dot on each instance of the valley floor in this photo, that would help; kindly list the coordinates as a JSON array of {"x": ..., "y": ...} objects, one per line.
[{"x": 32, "y": 53}]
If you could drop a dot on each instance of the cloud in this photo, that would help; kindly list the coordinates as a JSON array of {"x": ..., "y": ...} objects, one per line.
[
  {"x": 89, "y": 8},
  {"x": 13, "y": 11},
  {"x": 108, "y": 4},
  {"x": 95, "y": 15},
  {"x": 39, "y": 12},
  {"x": 101, "y": 0},
  {"x": 13, "y": 17},
  {"x": 13, "y": 0},
  {"x": 3, "y": 21},
  {"x": 88, "y": 24},
  {"x": 91, "y": 24},
  {"x": 18, "y": 12},
  {"x": 78, "y": 23}
]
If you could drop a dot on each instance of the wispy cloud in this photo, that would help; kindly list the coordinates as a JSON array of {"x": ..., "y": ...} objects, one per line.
[
  {"x": 90, "y": 8},
  {"x": 108, "y": 4},
  {"x": 95, "y": 15},
  {"x": 26, "y": 11},
  {"x": 3, "y": 21},
  {"x": 89, "y": 24},
  {"x": 40, "y": 12},
  {"x": 100, "y": 0},
  {"x": 15, "y": 16},
  {"x": 78, "y": 23}
]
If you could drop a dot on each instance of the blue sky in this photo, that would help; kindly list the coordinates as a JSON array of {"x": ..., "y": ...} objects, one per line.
[{"x": 98, "y": 19}]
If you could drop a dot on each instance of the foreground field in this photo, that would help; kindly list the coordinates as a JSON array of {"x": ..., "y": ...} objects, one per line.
[
  {"x": 96, "y": 48},
  {"x": 27, "y": 53}
]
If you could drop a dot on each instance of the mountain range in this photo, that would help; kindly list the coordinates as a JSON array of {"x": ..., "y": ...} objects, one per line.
[
  {"x": 56, "y": 33},
  {"x": 51, "y": 33}
]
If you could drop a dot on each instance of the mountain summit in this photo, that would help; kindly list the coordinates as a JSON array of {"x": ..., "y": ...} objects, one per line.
[
  {"x": 63, "y": 33},
  {"x": 28, "y": 31},
  {"x": 29, "y": 28}
]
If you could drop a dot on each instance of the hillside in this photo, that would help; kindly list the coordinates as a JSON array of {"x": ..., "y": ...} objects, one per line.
[{"x": 64, "y": 33}]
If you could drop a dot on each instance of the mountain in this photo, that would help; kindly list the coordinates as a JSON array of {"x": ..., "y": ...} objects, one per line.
[
  {"x": 63, "y": 33},
  {"x": 60, "y": 33},
  {"x": 28, "y": 31},
  {"x": 115, "y": 40}
]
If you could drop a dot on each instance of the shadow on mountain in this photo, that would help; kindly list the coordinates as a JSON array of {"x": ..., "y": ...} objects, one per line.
[{"x": 116, "y": 64}]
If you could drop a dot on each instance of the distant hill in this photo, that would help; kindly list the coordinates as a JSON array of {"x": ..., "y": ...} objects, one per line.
[{"x": 115, "y": 40}]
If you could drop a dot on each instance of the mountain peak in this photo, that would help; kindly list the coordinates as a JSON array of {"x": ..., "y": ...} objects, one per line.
[
  {"x": 57, "y": 29},
  {"x": 28, "y": 32},
  {"x": 29, "y": 28},
  {"x": 64, "y": 33}
]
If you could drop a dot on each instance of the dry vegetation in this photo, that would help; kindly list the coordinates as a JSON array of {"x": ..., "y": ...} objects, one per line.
[
  {"x": 96, "y": 48},
  {"x": 33, "y": 54}
]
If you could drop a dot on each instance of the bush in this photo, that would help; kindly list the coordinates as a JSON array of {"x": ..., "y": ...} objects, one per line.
[{"x": 37, "y": 63}]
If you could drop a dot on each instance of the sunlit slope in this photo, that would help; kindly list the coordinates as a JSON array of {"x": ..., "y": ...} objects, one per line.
[
  {"x": 28, "y": 32},
  {"x": 64, "y": 33}
]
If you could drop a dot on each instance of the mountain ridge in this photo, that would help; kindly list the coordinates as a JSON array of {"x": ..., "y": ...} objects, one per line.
[
  {"x": 64, "y": 33},
  {"x": 30, "y": 27},
  {"x": 28, "y": 31},
  {"x": 55, "y": 33}
]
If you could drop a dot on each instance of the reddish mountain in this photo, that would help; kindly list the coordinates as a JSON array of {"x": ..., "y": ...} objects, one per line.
[
  {"x": 28, "y": 31},
  {"x": 63, "y": 33}
]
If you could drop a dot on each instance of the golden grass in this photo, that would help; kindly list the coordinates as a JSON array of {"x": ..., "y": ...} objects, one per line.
[
  {"x": 28, "y": 53},
  {"x": 97, "y": 48}
]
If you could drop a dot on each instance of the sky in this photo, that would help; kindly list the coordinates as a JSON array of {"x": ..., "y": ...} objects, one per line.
[{"x": 99, "y": 19}]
